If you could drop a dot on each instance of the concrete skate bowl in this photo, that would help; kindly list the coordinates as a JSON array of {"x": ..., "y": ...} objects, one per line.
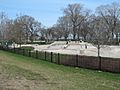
[
  {"x": 79, "y": 49},
  {"x": 71, "y": 48},
  {"x": 56, "y": 46},
  {"x": 62, "y": 46}
]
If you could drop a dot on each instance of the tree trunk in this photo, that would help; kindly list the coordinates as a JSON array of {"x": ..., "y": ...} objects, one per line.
[
  {"x": 98, "y": 49},
  {"x": 84, "y": 37},
  {"x": 65, "y": 37},
  {"x": 112, "y": 35},
  {"x": 78, "y": 36},
  {"x": 74, "y": 34},
  {"x": 31, "y": 38}
]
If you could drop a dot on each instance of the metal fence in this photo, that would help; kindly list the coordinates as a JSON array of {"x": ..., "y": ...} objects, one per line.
[{"x": 90, "y": 62}]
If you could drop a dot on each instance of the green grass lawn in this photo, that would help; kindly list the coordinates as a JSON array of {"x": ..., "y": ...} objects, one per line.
[{"x": 23, "y": 73}]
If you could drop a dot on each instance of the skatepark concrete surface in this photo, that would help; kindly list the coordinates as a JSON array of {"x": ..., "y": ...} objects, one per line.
[{"x": 78, "y": 48}]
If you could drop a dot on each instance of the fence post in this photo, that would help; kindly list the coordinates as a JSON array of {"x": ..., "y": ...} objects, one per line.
[
  {"x": 51, "y": 56},
  {"x": 0, "y": 47},
  {"x": 14, "y": 50},
  {"x": 58, "y": 58},
  {"x": 99, "y": 58},
  {"x": 10, "y": 50},
  {"x": 17, "y": 50},
  {"x": 36, "y": 54},
  {"x": 29, "y": 53},
  {"x": 76, "y": 60},
  {"x": 119, "y": 66},
  {"x": 45, "y": 55},
  {"x": 7, "y": 49},
  {"x": 23, "y": 51}
]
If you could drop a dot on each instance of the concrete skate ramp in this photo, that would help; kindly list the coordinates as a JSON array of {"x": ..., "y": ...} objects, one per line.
[{"x": 79, "y": 48}]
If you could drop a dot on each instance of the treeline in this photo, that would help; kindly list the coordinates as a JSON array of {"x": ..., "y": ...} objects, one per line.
[
  {"x": 77, "y": 23},
  {"x": 21, "y": 29},
  {"x": 80, "y": 23}
]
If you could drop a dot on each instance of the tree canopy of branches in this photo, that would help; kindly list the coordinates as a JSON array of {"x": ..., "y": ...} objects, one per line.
[
  {"x": 3, "y": 26},
  {"x": 78, "y": 22},
  {"x": 22, "y": 29},
  {"x": 111, "y": 15},
  {"x": 77, "y": 15},
  {"x": 30, "y": 26}
]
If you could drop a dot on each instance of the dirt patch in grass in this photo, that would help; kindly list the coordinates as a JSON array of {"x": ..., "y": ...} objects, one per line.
[{"x": 16, "y": 78}]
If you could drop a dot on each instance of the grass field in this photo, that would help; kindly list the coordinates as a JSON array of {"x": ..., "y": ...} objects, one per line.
[{"x": 23, "y": 73}]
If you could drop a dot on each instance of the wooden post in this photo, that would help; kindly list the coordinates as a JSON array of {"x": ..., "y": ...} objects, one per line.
[
  {"x": 99, "y": 58},
  {"x": 58, "y": 58},
  {"x": 0, "y": 47},
  {"x": 14, "y": 49},
  {"x": 76, "y": 60},
  {"x": 29, "y": 53},
  {"x": 23, "y": 51},
  {"x": 36, "y": 54},
  {"x": 45, "y": 55},
  {"x": 51, "y": 56}
]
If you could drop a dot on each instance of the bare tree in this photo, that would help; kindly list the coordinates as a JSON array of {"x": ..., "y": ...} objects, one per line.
[
  {"x": 111, "y": 15},
  {"x": 46, "y": 34},
  {"x": 11, "y": 36},
  {"x": 64, "y": 26},
  {"x": 3, "y": 21},
  {"x": 100, "y": 33},
  {"x": 73, "y": 11},
  {"x": 56, "y": 32},
  {"x": 30, "y": 25}
]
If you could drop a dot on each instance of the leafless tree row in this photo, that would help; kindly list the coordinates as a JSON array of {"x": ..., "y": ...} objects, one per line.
[
  {"x": 80, "y": 23},
  {"x": 22, "y": 29},
  {"x": 76, "y": 23}
]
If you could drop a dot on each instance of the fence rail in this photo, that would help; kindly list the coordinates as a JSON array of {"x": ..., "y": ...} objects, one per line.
[{"x": 90, "y": 62}]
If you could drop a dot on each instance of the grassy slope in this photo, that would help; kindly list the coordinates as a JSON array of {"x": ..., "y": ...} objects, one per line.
[{"x": 23, "y": 73}]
